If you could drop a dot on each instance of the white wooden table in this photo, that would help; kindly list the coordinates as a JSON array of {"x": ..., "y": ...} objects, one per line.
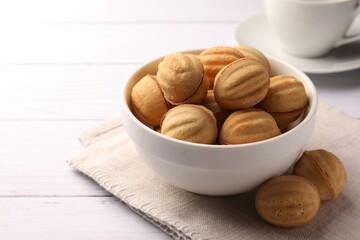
[{"x": 62, "y": 64}]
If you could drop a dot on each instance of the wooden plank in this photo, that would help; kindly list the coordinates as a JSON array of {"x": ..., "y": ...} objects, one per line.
[
  {"x": 109, "y": 11},
  {"x": 61, "y": 92},
  {"x": 72, "y": 218},
  {"x": 33, "y": 159},
  {"x": 106, "y": 43}
]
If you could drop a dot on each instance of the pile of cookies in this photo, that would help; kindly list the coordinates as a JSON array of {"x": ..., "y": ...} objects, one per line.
[
  {"x": 294, "y": 200},
  {"x": 223, "y": 95}
]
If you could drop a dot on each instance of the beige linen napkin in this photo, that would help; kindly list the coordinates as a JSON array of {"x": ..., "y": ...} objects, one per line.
[{"x": 110, "y": 160}]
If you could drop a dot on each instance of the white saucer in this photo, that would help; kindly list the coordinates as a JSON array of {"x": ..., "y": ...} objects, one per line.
[{"x": 254, "y": 31}]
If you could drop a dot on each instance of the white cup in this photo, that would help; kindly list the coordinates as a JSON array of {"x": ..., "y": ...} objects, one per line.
[{"x": 311, "y": 28}]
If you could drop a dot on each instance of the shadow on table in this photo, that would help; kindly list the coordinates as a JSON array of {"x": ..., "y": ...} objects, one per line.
[{"x": 341, "y": 80}]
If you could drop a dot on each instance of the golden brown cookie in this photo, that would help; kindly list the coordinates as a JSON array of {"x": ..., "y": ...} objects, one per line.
[
  {"x": 286, "y": 94},
  {"x": 283, "y": 120},
  {"x": 248, "y": 125},
  {"x": 148, "y": 102},
  {"x": 181, "y": 78},
  {"x": 324, "y": 170},
  {"x": 215, "y": 58},
  {"x": 241, "y": 84},
  {"x": 250, "y": 52},
  {"x": 192, "y": 123},
  {"x": 287, "y": 201},
  {"x": 220, "y": 113}
]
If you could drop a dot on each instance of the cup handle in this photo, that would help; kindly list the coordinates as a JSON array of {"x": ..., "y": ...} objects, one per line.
[{"x": 347, "y": 40}]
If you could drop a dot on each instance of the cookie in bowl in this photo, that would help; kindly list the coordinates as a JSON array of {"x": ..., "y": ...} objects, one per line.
[
  {"x": 241, "y": 84},
  {"x": 248, "y": 125},
  {"x": 285, "y": 100},
  {"x": 216, "y": 58},
  {"x": 189, "y": 122},
  {"x": 181, "y": 78},
  {"x": 148, "y": 102}
]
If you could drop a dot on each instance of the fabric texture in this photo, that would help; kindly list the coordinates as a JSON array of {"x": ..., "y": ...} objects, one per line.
[{"x": 110, "y": 160}]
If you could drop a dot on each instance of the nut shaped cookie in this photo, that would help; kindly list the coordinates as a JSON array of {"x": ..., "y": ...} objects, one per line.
[
  {"x": 241, "y": 84},
  {"x": 248, "y": 125},
  {"x": 148, "y": 102},
  {"x": 181, "y": 78},
  {"x": 324, "y": 170},
  {"x": 220, "y": 113},
  {"x": 250, "y": 52},
  {"x": 287, "y": 201},
  {"x": 283, "y": 120},
  {"x": 189, "y": 122},
  {"x": 215, "y": 58},
  {"x": 285, "y": 94}
]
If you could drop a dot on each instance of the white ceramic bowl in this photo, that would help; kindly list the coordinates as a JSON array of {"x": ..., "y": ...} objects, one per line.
[{"x": 219, "y": 169}]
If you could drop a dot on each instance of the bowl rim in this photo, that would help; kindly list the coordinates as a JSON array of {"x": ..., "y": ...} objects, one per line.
[{"x": 311, "y": 110}]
